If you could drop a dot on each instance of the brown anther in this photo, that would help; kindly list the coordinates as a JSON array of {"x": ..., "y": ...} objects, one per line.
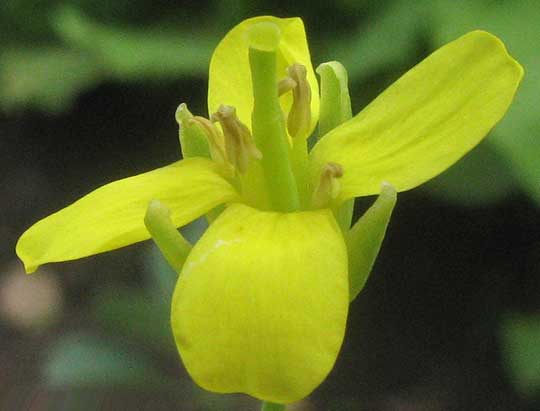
[
  {"x": 216, "y": 141},
  {"x": 239, "y": 144},
  {"x": 332, "y": 170},
  {"x": 299, "y": 119},
  {"x": 286, "y": 85},
  {"x": 329, "y": 187}
]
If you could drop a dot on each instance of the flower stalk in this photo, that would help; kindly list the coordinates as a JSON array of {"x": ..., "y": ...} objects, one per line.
[{"x": 268, "y": 406}]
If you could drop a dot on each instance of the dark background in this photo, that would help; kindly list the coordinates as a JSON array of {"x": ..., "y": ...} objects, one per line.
[{"x": 450, "y": 318}]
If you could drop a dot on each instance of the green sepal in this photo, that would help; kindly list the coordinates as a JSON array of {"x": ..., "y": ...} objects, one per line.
[
  {"x": 335, "y": 99},
  {"x": 193, "y": 141},
  {"x": 335, "y": 110},
  {"x": 365, "y": 238},
  {"x": 174, "y": 247}
]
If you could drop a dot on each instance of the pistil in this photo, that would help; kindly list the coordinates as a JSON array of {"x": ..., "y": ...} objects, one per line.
[{"x": 268, "y": 125}]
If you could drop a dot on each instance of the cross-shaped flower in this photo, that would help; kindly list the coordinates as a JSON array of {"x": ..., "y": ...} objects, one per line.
[{"x": 261, "y": 302}]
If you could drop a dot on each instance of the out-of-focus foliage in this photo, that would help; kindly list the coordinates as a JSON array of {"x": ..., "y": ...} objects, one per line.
[
  {"x": 521, "y": 341},
  {"x": 85, "y": 53},
  {"x": 481, "y": 178},
  {"x": 132, "y": 315},
  {"x": 82, "y": 360},
  {"x": 135, "y": 54},
  {"x": 47, "y": 77}
]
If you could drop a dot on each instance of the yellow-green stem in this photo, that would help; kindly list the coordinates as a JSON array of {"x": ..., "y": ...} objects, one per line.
[{"x": 268, "y": 406}]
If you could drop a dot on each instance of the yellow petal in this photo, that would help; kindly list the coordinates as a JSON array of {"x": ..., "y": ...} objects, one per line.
[
  {"x": 261, "y": 303},
  {"x": 230, "y": 76},
  {"x": 425, "y": 121},
  {"x": 113, "y": 215}
]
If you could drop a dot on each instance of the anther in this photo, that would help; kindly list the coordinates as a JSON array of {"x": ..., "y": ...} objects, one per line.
[
  {"x": 286, "y": 85},
  {"x": 299, "y": 119},
  {"x": 329, "y": 187},
  {"x": 239, "y": 145},
  {"x": 216, "y": 141}
]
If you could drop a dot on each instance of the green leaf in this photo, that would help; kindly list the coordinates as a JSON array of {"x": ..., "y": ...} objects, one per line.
[
  {"x": 387, "y": 38},
  {"x": 364, "y": 240},
  {"x": 521, "y": 343},
  {"x": 48, "y": 78},
  {"x": 134, "y": 54},
  {"x": 80, "y": 360}
]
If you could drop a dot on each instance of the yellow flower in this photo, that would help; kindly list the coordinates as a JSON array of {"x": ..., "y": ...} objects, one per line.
[{"x": 261, "y": 302}]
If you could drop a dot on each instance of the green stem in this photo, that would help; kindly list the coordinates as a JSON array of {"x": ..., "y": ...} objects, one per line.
[
  {"x": 268, "y": 125},
  {"x": 268, "y": 406}
]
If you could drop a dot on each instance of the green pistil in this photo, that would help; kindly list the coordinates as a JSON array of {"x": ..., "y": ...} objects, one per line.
[{"x": 268, "y": 126}]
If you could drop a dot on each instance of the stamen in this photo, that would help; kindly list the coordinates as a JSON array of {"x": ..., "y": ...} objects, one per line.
[
  {"x": 299, "y": 119},
  {"x": 329, "y": 187},
  {"x": 286, "y": 85},
  {"x": 216, "y": 142},
  {"x": 239, "y": 145}
]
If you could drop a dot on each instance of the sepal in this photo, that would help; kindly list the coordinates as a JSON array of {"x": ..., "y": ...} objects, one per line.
[
  {"x": 174, "y": 247},
  {"x": 193, "y": 140},
  {"x": 335, "y": 99},
  {"x": 365, "y": 238}
]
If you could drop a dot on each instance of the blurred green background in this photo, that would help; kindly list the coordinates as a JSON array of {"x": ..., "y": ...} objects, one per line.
[{"x": 450, "y": 318}]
